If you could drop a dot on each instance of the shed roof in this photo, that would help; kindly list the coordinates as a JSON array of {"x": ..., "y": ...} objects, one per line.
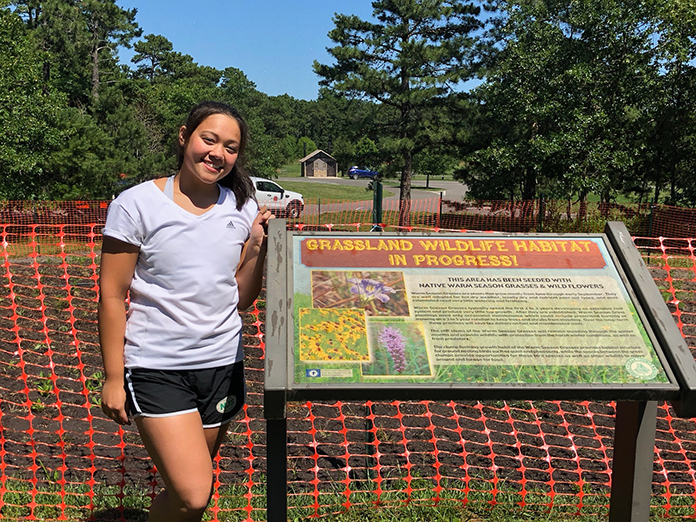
[{"x": 315, "y": 153}]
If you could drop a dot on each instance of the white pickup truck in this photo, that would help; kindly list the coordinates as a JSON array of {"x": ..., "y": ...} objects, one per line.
[{"x": 278, "y": 200}]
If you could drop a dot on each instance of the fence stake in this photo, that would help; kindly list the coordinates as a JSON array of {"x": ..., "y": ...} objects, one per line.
[
  {"x": 439, "y": 211},
  {"x": 376, "y": 206}
]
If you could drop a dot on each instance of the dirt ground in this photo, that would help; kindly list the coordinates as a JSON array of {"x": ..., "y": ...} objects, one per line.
[{"x": 53, "y": 435}]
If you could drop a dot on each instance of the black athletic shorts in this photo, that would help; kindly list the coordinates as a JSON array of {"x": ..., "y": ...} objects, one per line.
[{"x": 216, "y": 393}]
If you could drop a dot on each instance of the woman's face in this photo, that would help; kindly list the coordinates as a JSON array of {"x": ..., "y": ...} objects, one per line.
[{"x": 211, "y": 150}]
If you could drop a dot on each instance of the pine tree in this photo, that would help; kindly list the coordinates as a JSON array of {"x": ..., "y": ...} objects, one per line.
[{"x": 410, "y": 60}]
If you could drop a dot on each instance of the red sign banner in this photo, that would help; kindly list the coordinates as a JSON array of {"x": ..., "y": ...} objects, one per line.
[{"x": 355, "y": 252}]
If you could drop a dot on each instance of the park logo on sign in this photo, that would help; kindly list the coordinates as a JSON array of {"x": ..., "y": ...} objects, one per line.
[{"x": 641, "y": 368}]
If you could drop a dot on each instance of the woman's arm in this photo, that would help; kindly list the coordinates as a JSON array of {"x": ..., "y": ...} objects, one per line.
[
  {"x": 250, "y": 272},
  {"x": 118, "y": 261}
]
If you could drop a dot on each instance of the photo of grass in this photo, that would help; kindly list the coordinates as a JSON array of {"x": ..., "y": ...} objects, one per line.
[
  {"x": 333, "y": 335},
  {"x": 378, "y": 293},
  {"x": 543, "y": 374},
  {"x": 398, "y": 350}
]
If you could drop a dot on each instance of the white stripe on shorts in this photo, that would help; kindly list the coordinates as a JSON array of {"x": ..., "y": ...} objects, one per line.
[
  {"x": 137, "y": 411},
  {"x": 170, "y": 414}
]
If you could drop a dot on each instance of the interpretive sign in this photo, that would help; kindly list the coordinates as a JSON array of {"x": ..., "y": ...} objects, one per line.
[
  {"x": 473, "y": 316},
  {"x": 475, "y": 309}
]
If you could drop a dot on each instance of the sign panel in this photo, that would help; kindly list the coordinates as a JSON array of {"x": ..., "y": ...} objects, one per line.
[{"x": 465, "y": 309}]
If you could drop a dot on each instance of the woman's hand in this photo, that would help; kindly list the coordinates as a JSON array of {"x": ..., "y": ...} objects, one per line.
[
  {"x": 113, "y": 401},
  {"x": 259, "y": 228}
]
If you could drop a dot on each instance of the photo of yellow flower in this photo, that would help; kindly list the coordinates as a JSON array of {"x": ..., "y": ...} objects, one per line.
[{"x": 336, "y": 334}]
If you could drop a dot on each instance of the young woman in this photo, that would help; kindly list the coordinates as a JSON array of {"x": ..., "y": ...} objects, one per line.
[{"x": 190, "y": 249}]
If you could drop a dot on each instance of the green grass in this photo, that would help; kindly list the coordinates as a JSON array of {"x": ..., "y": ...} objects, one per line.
[
  {"x": 22, "y": 247},
  {"x": 631, "y": 198},
  {"x": 418, "y": 182},
  {"x": 620, "y": 199},
  {"x": 291, "y": 170},
  {"x": 330, "y": 192},
  {"x": 392, "y": 505},
  {"x": 389, "y": 217}
]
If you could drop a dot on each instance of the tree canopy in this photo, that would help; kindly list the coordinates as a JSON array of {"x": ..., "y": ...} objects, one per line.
[
  {"x": 582, "y": 97},
  {"x": 409, "y": 60},
  {"x": 570, "y": 99}
]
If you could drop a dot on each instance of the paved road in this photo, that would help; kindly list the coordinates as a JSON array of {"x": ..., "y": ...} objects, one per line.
[{"x": 452, "y": 190}]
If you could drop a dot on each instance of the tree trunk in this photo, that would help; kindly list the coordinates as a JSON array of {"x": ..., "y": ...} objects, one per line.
[
  {"x": 672, "y": 185},
  {"x": 582, "y": 211},
  {"x": 405, "y": 192},
  {"x": 530, "y": 180},
  {"x": 528, "y": 193},
  {"x": 529, "y": 188},
  {"x": 656, "y": 198},
  {"x": 94, "y": 28},
  {"x": 95, "y": 72},
  {"x": 46, "y": 76},
  {"x": 46, "y": 63},
  {"x": 643, "y": 189}
]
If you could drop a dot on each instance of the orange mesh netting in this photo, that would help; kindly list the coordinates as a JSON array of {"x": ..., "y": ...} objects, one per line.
[
  {"x": 60, "y": 458},
  {"x": 506, "y": 216},
  {"x": 517, "y": 216}
]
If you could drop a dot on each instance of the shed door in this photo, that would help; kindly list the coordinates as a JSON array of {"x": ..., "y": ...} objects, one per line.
[{"x": 319, "y": 168}]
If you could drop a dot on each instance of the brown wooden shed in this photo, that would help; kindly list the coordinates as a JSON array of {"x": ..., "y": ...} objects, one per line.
[{"x": 318, "y": 164}]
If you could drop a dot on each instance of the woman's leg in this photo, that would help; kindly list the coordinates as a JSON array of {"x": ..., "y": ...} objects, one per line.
[
  {"x": 179, "y": 447},
  {"x": 215, "y": 437}
]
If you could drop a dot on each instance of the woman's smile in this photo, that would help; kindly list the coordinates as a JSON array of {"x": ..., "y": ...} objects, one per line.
[{"x": 211, "y": 150}]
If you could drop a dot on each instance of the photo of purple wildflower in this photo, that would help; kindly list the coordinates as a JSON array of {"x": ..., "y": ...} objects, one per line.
[
  {"x": 378, "y": 293},
  {"x": 369, "y": 289},
  {"x": 397, "y": 349},
  {"x": 393, "y": 340}
]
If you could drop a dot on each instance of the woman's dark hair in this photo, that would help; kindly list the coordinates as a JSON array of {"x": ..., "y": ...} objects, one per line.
[{"x": 237, "y": 180}]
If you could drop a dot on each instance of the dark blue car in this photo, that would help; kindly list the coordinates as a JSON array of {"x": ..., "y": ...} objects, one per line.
[{"x": 356, "y": 172}]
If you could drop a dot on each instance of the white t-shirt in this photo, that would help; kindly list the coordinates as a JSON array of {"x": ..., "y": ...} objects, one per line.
[{"x": 183, "y": 297}]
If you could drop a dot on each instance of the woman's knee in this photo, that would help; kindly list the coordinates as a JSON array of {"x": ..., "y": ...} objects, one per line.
[{"x": 195, "y": 499}]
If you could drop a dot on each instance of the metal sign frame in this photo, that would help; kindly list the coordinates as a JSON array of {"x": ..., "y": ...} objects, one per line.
[{"x": 636, "y": 412}]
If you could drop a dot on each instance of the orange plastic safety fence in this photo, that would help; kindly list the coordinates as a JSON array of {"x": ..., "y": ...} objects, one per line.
[
  {"x": 508, "y": 216},
  {"x": 53, "y": 212},
  {"x": 642, "y": 219},
  {"x": 60, "y": 458}
]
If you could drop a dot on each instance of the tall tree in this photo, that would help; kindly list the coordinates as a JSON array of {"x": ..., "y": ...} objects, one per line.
[
  {"x": 410, "y": 59},
  {"x": 151, "y": 55},
  {"x": 28, "y": 113},
  {"x": 334, "y": 123},
  {"x": 80, "y": 36},
  {"x": 565, "y": 103},
  {"x": 61, "y": 34},
  {"x": 109, "y": 26},
  {"x": 671, "y": 131}
]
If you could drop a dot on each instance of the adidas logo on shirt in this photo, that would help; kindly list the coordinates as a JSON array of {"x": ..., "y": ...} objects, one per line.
[{"x": 230, "y": 225}]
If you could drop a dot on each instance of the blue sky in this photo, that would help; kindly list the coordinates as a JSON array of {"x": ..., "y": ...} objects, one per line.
[{"x": 274, "y": 42}]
